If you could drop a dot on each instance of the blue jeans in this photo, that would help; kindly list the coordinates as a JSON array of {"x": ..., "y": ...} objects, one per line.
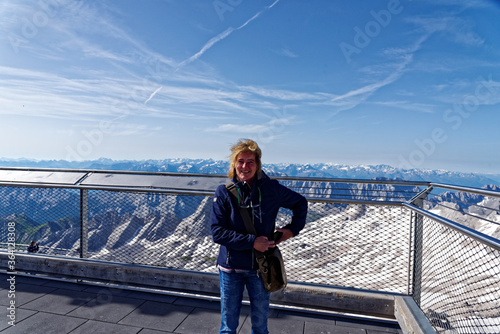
[{"x": 232, "y": 285}]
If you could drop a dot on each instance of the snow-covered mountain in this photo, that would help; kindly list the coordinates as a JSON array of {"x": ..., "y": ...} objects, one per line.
[
  {"x": 478, "y": 212},
  {"x": 327, "y": 170}
]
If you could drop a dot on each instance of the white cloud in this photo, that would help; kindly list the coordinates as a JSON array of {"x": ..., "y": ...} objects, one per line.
[
  {"x": 207, "y": 46},
  {"x": 239, "y": 128},
  {"x": 130, "y": 129},
  {"x": 288, "y": 53},
  {"x": 356, "y": 96},
  {"x": 273, "y": 125},
  {"x": 455, "y": 28},
  {"x": 396, "y": 65},
  {"x": 223, "y": 35},
  {"x": 153, "y": 94},
  {"x": 408, "y": 105},
  {"x": 280, "y": 94}
]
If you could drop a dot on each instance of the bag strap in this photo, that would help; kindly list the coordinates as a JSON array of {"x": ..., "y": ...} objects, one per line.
[{"x": 245, "y": 216}]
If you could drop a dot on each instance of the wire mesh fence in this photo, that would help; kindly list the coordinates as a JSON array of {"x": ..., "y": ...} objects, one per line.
[
  {"x": 460, "y": 284},
  {"x": 358, "y": 235},
  {"x": 350, "y": 190},
  {"x": 40, "y": 214},
  {"x": 156, "y": 229},
  {"x": 476, "y": 211},
  {"x": 350, "y": 245}
]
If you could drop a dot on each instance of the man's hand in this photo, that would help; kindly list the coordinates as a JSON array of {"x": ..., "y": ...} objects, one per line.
[
  {"x": 262, "y": 244},
  {"x": 287, "y": 234}
]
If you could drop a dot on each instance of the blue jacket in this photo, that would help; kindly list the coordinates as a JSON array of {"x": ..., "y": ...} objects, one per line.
[{"x": 228, "y": 229}]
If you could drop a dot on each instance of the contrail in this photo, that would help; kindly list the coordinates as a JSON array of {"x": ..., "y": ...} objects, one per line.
[
  {"x": 207, "y": 46},
  {"x": 223, "y": 35},
  {"x": 153, "y": 94}
]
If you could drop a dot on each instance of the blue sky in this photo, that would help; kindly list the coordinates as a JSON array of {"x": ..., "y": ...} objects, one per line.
[{"x": 411, "y": 84}]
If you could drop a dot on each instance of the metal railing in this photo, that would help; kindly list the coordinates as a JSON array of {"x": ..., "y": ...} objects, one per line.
[
  {"x": 391, "y": 236},
  {"x": 456, "y": 279}
]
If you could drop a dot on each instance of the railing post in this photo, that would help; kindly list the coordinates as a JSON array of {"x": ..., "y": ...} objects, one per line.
[
  {"x": 418, "y": 244},
  {"x": 417, "y": 256},
  {"x": 84, "y": 223}
]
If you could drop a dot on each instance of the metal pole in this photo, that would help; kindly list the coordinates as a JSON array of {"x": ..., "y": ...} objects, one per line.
[
  {"x": 418, "y": 242},
  {"x": 417, "y": 257},
  {"x": 84, "y": 223}
]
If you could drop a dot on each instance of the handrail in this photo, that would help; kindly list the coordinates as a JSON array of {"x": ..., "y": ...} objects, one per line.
[
  {"x": 81, "y": 182},
  {"x": 343, "y": 180},
  {"x": 352, "y": 201},
  {"x": 481, "y": 237},
  {"x": 284, "y": 178},
  {"x": 110, "y": 188},
  {"x": 477, "y": 191},
  {"x": 107, "y": 171}
]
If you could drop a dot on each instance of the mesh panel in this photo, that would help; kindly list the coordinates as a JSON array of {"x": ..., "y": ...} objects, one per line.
[
  {"x": 353, "y": 191},
  {"x": 352, "y": 245},
  {"x": 460, "y": 290},
  {"x": 49, "y": 216},
  {"x": 481, "y": 213},
  {"x": 156, "y": 229},
  {"x": 348, "y": 245},
  {"x": 343, "y": 245}
]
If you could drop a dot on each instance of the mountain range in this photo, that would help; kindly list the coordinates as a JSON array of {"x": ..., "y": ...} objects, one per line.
[{"x": 318, "y": 170}]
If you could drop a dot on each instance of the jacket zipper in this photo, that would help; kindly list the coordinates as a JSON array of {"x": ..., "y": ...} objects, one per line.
[{"x": 228, "y": 256}]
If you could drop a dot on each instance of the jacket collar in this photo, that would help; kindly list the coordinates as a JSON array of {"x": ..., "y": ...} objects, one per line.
[{"x": 260, "y": 178}]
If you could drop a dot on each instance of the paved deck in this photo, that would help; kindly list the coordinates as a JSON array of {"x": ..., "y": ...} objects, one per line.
[{"x": 52, "y": 306}]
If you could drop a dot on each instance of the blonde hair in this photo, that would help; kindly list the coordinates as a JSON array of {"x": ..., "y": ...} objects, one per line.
[{"x": 244, "y": 146}]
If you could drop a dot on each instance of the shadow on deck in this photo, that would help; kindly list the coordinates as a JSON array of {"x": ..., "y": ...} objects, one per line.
[{"x": 46, "y": 305}]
